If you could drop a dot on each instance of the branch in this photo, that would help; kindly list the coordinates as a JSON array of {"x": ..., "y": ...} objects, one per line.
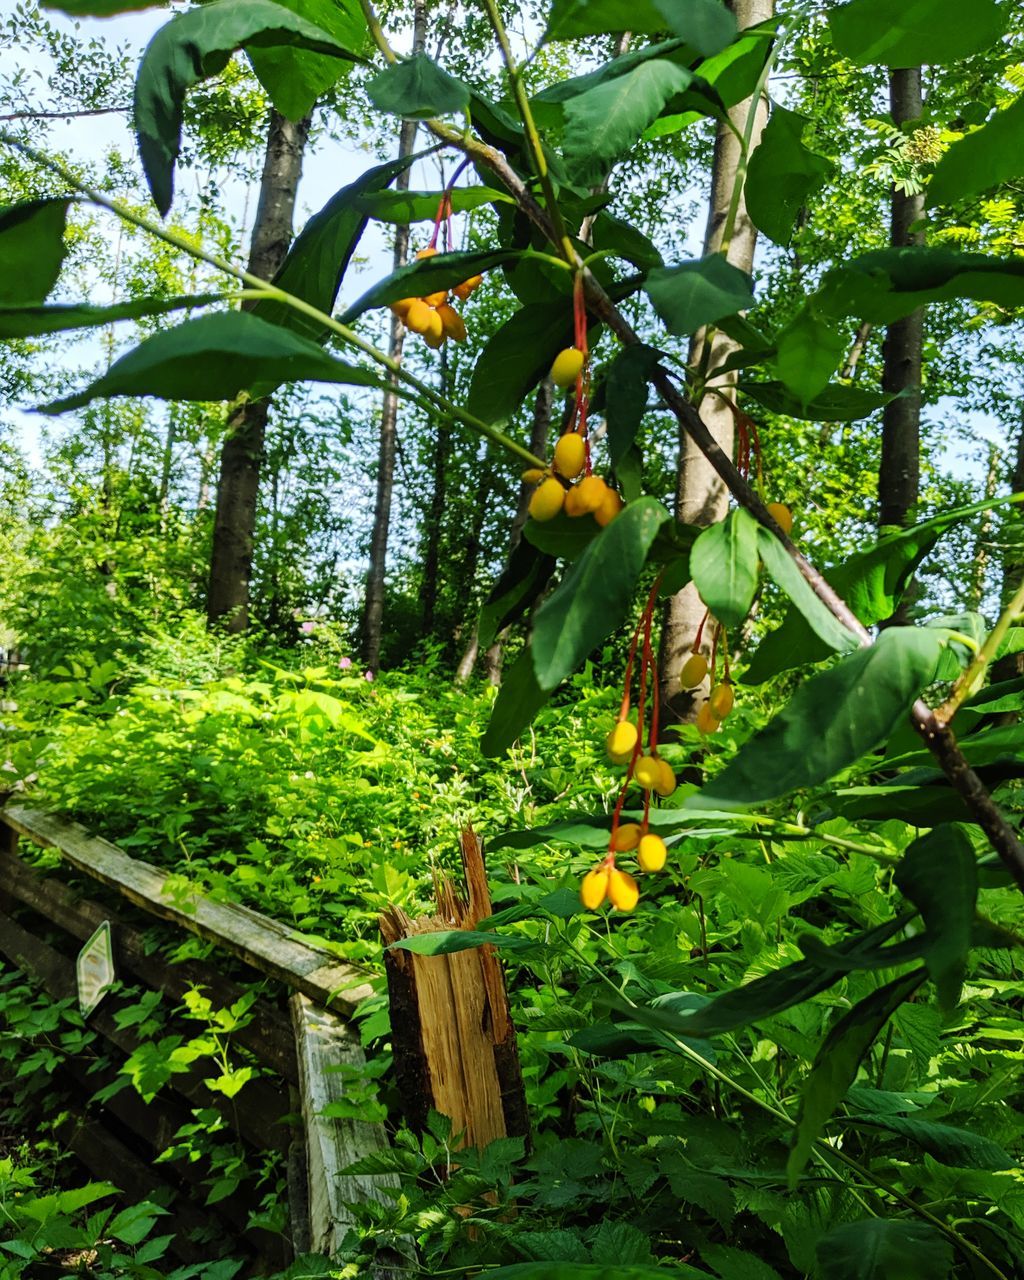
[{"x": 65, "y": 115}]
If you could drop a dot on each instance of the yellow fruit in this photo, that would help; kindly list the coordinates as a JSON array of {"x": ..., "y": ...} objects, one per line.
[
  {"x": 647, "y": 772},
  {"x": 695, "y": 668},
  {"x": 611, "y": 505},
  {"x": 462, "y": 291},
  {"x": 706, "y": 721},
  {"x": 570, "y": 455},
  {"x": 594, "y": 888},
  {"x": 418, "y": 316},
  {"x": 434, "y": 332},
  {"x": 622, "y": 890},
  {"x": 720, "y": 700},
  {"x": 585, "y": 497},
  {"x": 621, "y": 742},
  {"x": 651, "y": 853},
  {"x": 428, "y": 252},
  {"x": 567, "y": 367},
  {"x": 626, "y": 837},
  {"x": 400, "y": 307},
  {"x": 533, "y": 475},
  {"x": 666, "y": 782},
  {"x": 454, "y": 326},
  {"x": 782, "y": 515},
  {"x": 435, "y": 340},
  {"x": 436, "y": 299},
  {"x": 547, "y": 499}
]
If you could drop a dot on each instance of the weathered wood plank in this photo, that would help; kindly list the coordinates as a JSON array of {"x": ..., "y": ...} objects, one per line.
[
  {"x": 260, "y": 941},
  {"x": 268, "y": 1036},
  {"x": 324, "y": 1042}
]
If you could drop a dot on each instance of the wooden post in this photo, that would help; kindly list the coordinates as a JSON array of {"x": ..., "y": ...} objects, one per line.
[{"x": 453, "y": 1039}]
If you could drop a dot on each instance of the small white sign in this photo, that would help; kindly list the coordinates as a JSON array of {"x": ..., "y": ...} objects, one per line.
[{"x": 95, "y": 969}]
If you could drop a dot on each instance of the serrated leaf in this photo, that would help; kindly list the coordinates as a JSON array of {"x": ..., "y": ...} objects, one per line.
[
  {"x": 884, "y": 1249},
  {"x": 31, "y": 249},
  {"x": 992, "y": 155},
  {"x": 729, "y": 1263},
  {"x": 417, "y": 89},
  {"x": 785, "y": 574},
  {"x": 429, "y": 275},
  {"x": 694, "y": 294},
  {"x": 34, "y": 321},
  {"x": 214, "y": 358},
  {"x": 593, "y": 1271},
  {"x": 782, "y": 175},
  {"x": 724, "y": 563},
  {"x": 929, "y": 32},
  {"x": 835, "y": 1067},
  {"x": 945, "y": 1142},
  {"x": 807, "y": 353},
  {"x": 596, "y": 594}
]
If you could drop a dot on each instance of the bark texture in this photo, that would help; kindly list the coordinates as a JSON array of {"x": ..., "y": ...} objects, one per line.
[
  {"x": 701, "y": 496},
  {"x": 227, "y": 601}
]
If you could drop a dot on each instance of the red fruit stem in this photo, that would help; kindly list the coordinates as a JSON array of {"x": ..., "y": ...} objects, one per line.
[
  {"x": 700, "y": 632},
  {"x": 725, "y": 655},
  {"x": 647, "y": 664}
]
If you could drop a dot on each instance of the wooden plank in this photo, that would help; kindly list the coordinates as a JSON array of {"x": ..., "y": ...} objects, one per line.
[
  {"x": 268, "y": 1036},
  {"x": 266, "y": 944},
  {"x": 325, "y": 1042}
]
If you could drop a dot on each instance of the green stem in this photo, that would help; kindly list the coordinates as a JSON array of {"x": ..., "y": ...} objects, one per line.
[{"x": 971, "y": 679}]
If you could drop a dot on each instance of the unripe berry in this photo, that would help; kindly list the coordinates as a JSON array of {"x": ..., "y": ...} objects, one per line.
[
  {"x": 567, "y": 367},
  {"x": 418, "y": 316},
  {"x": 454, "y": 326},
  {"x": 626, "y": 837},
  {"x": 611, "y": 505},
  {"x": 695, "y": 668},
  {"x": 570, "y": 455},
  {"x": 647, "y": 772},
  {"x": 651, "y": 853},
  {"x": 547, "y": 499},
  {"x": 706, "y": 721},
  {"x": 436, "y": 299},
  {"x": 594, "y": 888},
  {"x": 533, "y": 475},
  {"x": 720, "y": 700},
  {"x": 622, "y": 890},
  {"x": 666, "y": 782},
  {"x": 782, "y": 515},
  {"x": 585, "y": 497},
  {"x": 621, "y": 742}
]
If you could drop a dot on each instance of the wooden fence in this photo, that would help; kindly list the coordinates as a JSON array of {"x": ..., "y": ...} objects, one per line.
[{"x": 301, "y": 1039}]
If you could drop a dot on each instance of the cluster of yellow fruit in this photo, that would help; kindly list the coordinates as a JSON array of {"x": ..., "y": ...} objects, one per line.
[
  {"x": 719, "y": 701},
  {"x": 433, "y": 316}
]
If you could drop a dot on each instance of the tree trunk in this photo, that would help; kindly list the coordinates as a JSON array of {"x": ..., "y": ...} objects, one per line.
[
  {"x": 373, "y": 609},
  {"x": 898, "y": 474},
  {"x": 1012, "y": 541},
  {"x": 985, "y": 526},
  {"x": 435, "y": 513},
  {"x": 241, "y": 456},
  {"x": 701, "y": 497}
]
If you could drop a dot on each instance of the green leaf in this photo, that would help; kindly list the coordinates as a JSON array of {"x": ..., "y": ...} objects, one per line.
[
  {"x": 315, "y": 265},
  {"x": 429, "y": 275},
  {"x": 835, "y": 1067},
  {"x": 624, "y": 241},
  {"x": 939, "y": 874},
  {"x": 417, "y": 89},
  {"x": 214, "y": 358},
  {"x": 518, "y": 701},
  {"x": 990, "y": 156},
  {"x": 733, "y": 74},
  {"x": 724, "y": 563},
  {"x": 884, "y": 1249},
  {"x": 526, "y": 576},
  {"x": 625, "y": 396},
  {"x": 698, "y": 293},
  {"x": 919, "y": 32},
  {"x": 193, "y": 46},
  {"x": 705, "y": 24},
  {"x": 596, "y": 594},
  {"x": 836, "y": 403},
  {"x": 602, "y": 124},
  {"x": 565, "y": 537},
  {"x": 99, "y": 8},
  {"x": 444, "y": 942},
  {"x": 404, "y": 207},
  {"x": 784, "y": 573},
  {"x": 782, "y": 175},
  {"x": 833, "y": 719},
  {"x": 31, "y": 249},
  {"x": 33, "y": 321},
  {"x": 730, "y": 1263},
  {"x": 594, "y": 1271},
  {"x": 296, "y": 78},
  {"x": 958, "y": 1147},
  {"x": 516, "y": 358},
  {"x": 807, "y": 353}
]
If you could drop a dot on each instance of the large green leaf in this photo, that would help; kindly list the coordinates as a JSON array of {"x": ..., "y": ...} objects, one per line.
[
  {"x": 884, "y": 1249},
  {"x": 992, "y": 155},
  {"x": 677, "y": 51},
  {"x": 832, "y": 720},
  {"x": 836, "y": 403},
  {"x": 958, "y": 1147},
  {"x": 697, "y": 293},
  {"x": 565, "y": 537},
  {"x": 214, "y": 358},
  {"x": 596, "y": 594},
  {"x": 835, "y": 1067},
  {"x": 784, "y": 573},
  {"x": 296, "y": 78},
  {"x": 445, "y": 942},
  {"x": 421, "y": 206},
  {"x": 31, "y": 249},
  {"x": 724, "y": 563},
  {"x": 594, "y": 1271},
  {"x": 429, "y": 275},
  {"x": 603, "y": 123},
  {"x": 318, "y": 258},
  {"x": 705, "y": 24},
  {"x": 417, "y": 89},
  {"x": 32, "y": 321},
  {"x": 807, "y": 353},
  {"x": 939, "y": 874},
  {"x": 518, "y": 701},
  {"x": 193, "y": 46},
  {"x": 929, "y": 32},
  {"x": 516, "y": 358},
  {"x": 782, "y": 175},
  {"x": 526, "y": 576},
  {"x": 100, "y": 8},
  {"x": 625, "y": 396}
]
